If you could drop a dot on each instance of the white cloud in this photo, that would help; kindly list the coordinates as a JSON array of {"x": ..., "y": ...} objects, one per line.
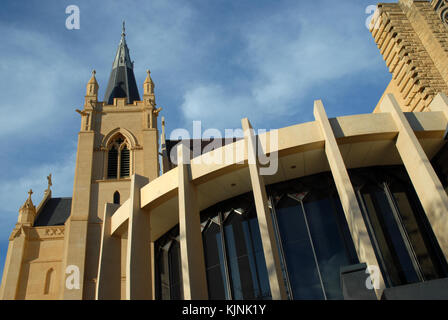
[
  {"x": 40, "y": 75},
  {"x": 288, "y": 54}
]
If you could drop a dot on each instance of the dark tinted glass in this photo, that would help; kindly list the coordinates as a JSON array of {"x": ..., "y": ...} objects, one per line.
[
  {"x": 214, "y": 262},
  {"x": 396, "y": 257},
  {"x": 175, "y": 271},
  {"x": 300, "y": 262},
  {"x": 328, "y": 242},
  {"x": 162, "y": 277},
  {"x": 245, "y": 258}
]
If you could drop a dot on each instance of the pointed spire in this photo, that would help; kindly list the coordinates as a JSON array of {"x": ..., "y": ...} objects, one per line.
[
  {"x": 92, "y": 85},
  {"x": 148, "y": 85},
  {"x": 27, "y": 211},
  {"x": 122, "y": 82}
]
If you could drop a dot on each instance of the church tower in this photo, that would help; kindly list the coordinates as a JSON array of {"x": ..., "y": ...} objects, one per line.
[{"x": 118, "y": 138}]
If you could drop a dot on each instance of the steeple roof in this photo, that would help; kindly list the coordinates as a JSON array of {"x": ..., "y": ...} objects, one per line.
[{"x": 122, "y": 80}]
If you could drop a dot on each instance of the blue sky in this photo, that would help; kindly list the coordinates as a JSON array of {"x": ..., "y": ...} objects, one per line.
[{"x": 211, "y": 60}]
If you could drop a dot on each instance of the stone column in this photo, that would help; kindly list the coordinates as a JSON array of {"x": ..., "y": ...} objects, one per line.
[
  {"x": 425, "y": 180},
  {"x": 270, "y": 249},
  {"x": 75, "y": 241},
  {"x": 108, "y": 285},
  {"x": 191, "y": 247},
  {"x": 347, "y": 195},
  {"x": 138, "y": 255},
  {"x": 13, "y": 264}
]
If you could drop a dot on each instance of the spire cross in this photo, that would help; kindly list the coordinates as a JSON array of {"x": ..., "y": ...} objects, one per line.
[
  {"x": 93, "y": 72},
  {"x": 30, "y": 193},
  {"x": 123, "y": 30}
]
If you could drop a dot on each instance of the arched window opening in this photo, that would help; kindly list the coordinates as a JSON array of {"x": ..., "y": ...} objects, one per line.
[
  {"x": 117, "y": 197},
  {"x": 118, "y": 163},
  {"x": 48, "y": 281}
]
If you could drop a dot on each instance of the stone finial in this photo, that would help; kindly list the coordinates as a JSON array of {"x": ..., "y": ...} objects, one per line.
[
  {"x": 28, "y": 203},
  {"x": 92, "y": 85},
  {"x": 27, "y": 211},
  {"x": 148, "y": 85}
]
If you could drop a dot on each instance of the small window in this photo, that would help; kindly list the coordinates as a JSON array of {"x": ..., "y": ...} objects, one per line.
[{"x": 117, "y": 197}]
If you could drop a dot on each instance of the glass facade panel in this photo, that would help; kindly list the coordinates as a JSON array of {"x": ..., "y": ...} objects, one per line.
[
  {"x": 313, "y": 238},
  {"x": 398, "y": 259},
  {"x": 329, "y": 245},
  {"x": 303, "y": 274},
  {"x": 214, "y": 262},
  {"x": 247, "y": 267},
  {"x": 162, "y": 278},
  {"x": 404, "y": 244},
  {"x": 175, "y": 271}
]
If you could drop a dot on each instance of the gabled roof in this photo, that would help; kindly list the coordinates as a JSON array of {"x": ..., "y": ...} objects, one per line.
[
  {"x": 54, "y": 213},
  {"x": 122, "y": 82}
]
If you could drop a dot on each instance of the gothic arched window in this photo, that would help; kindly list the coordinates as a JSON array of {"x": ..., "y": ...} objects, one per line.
[{"x": 118, "y": 158}]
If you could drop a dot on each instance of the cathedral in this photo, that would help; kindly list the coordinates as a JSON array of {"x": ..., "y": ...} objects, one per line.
[{"x": 357, "y": 208}]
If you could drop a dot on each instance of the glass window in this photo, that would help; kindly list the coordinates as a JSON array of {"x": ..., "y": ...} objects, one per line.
[
  {"x": 168, "y": 273},
  {"x": 396, "y": 256},
  {"x": 247, "y": 266},
  {"x": 302, "y": 269},
  {"x": 162, "y": 271},
  {"x": 214, "y": 261},
  {"x": 402, "y": 237},
  {"x": 329, "y": 245},
  {"x": 176, "y": 287},
  {"x": 417, "y": 228}
]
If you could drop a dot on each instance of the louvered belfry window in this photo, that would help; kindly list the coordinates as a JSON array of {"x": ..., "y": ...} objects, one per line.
[
  {"x": 118, "y": 161},
  {"x": 124, "y": 162},
  {"x": 112, "y": 164}
]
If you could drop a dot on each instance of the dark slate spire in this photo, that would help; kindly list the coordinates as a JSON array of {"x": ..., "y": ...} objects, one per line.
[{"x": 122, "y": 80}]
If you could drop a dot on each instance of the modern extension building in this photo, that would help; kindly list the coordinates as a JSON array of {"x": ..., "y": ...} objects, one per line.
[{"x": 356, "y": 208}]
